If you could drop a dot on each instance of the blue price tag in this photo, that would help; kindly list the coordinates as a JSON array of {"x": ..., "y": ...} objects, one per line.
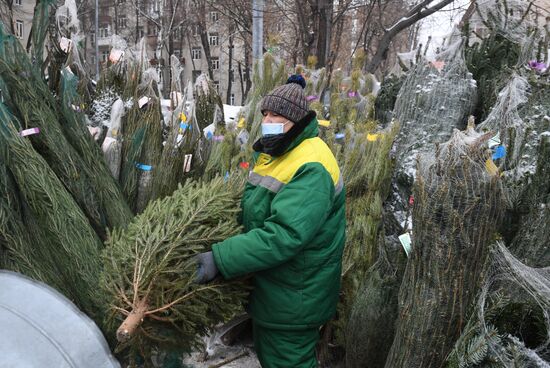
[
  {"x": 185, "y": 126},
  {"x": 339, "y": 135}
]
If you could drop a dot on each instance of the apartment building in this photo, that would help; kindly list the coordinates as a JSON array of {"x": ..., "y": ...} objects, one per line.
[
  {"x": 179, "y": 28},
  {"x": 18, "y": 18}
]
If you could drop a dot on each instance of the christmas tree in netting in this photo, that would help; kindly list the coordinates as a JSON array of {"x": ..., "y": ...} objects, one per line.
[
  {"x": 510, "y": 322},
  {"x": 66, "y": 254},
  {"x": 457, "y": 210}
]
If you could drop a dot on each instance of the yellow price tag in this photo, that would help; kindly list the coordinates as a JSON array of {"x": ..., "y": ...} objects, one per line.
[
  {"x": 372, "y": 137},
  {"x": 325, "y": 123},
  {"x": 492, "y": 169},
  {"x": 183, "y": 117},
  {"x": 241, "y": 123}
]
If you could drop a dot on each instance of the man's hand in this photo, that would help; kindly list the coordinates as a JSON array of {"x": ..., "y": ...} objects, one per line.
[{"x": 206, "y": 268}]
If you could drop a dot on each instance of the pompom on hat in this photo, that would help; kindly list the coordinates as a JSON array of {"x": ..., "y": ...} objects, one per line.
[{"x": 288, "y": 100}]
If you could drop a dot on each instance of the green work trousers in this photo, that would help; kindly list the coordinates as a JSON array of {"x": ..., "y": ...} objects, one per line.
[{"x": 285, "y": 348}]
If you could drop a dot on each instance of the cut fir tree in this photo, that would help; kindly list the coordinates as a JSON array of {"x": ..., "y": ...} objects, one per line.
[{"x": 149, "y": 270}]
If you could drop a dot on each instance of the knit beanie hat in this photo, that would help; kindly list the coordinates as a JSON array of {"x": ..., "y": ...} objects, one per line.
[{"x": 288, "y": 100}]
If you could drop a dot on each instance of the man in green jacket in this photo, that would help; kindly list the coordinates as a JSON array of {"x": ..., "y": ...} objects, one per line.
[{"x": 293, "y": 213}]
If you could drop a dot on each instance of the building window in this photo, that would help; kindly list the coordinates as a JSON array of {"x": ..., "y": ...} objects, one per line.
[
  {"x": 232, "y": 99},
  {"x": 155, "y": 6},
  {"x": 196, "y": 29},
  {"x": 19, "y": 29},
  {"x": 178, "y": 33},
  {"x": 217, "y": 86},
  {"x": 196, "y": 74},
  {"x": 121, "y": 21},
  {"x": 279, "y": 27},
  {"x": 121, "y": 1},
  {"x": 196, "y": 53},
  {"x": 215, "y": 63},
  {"x": 153, "y": 30},
  {"x": 140, "y": 32},
  {"x": 104, "y": 56},
  {"x": 214, "y": 16},
  {"x": 92, "y": 60},
  {"x": 213, "y": 39},
  {"x": 18, "y": 2},
  {"x": 104, "y": 31},
  {"x": 177, "y": 53},
  {"x": 92, "y": 38}
]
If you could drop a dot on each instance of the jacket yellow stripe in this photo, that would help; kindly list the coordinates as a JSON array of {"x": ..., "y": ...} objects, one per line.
[{"x": 274, "y": 172}]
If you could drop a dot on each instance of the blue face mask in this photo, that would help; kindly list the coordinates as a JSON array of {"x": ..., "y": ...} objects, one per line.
[{"x": 271, "y": 129}]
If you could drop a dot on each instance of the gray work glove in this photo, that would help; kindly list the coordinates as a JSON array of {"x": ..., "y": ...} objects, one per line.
[{"x": 206, "y": 268}]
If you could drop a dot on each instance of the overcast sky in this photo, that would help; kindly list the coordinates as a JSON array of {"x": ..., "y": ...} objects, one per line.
[{"x": 440, "y": 24}]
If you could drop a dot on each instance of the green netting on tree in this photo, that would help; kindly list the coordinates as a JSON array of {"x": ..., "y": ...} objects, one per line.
[
  {"x": 385, "y": 100},
  {"x": 110, "y": 197},
  {"x": 510, "y": 324},
  {"x": 491, "y": 62},
  {"x": 371, "y": 327},
  {"x": 367, "y": 169},
  {"x": 40, "y": 25},
  {"x": 268, "y": 74},
  {"x": 177, "y": 161},
  {"x": 458, "y": 206},
  {"x": 12, "y": 229},
  {"x": 67, "y": 256},
  {"x": 519, "y": 120},
  {"x": 435, "y": 98},
  {"x": 36, "y": 108},
  {"x": 227, "y": 156},
  {"x": 530, "y": 244},
  {"x": 209, "y": 107},
  {"x": 141, "y": 147},
  {"x": 149, "y": 270}
]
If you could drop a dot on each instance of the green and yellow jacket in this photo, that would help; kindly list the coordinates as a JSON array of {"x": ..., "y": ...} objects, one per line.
[{"x": 293, "y": 213}]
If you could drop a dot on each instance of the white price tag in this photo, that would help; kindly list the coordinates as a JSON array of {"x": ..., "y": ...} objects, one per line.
[
  {"x": 406, "y": 242},
  {"x": 65, "y": 44},
  {"x": 143, "y": 101}
]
